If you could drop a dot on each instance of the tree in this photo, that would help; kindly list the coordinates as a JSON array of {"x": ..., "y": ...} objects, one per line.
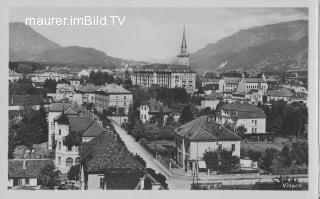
[
  {"x": 138, "y": 130},
  {"x": 186, "y": 115},
  {"x": 170, "y": 120},
  {"x": 267, "y": 160},
  {"x": 13, "y": 139},
  {"x": 254, "y": 155},
  {"x": 212, "y": 159},
  {"x": 241, "y": 130},
  {"x": 49, "y": 176},
  {"x": 74, "y": 173},
  {"x": 50, "y": 85}
]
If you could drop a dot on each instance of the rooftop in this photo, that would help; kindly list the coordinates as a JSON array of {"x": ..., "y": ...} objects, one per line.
[
  {"x": 164, "y": 68},
  {"x": 205, "y": 129},
  {"x": 279, "y": 93},
  {"x": 244, "y": 110},
  {"x": 106, "y": 154},
  {"x": 87, "y": 125},
  {"x": 32, "y": 167},
  {"x": 157, "y": 107}
]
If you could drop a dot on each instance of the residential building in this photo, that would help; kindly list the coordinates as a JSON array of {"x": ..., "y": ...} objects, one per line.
[
  {"x": 55, "y": 110},
  {"x": 84, "y": 128},
  {"x": 151, "y": 108},
  {"x": 104, "y": 96},
  {"x": 200, "y": 135},
  {"x": 243, "y": 114},
  {"x": 13, "y": 76},
  {"x": 113, "y": 95},
  {"x": 276, "y": 95},
  {"x": 25, "y": 172},
  {"x": 63, "y": 91},
  {"x": 84, "y": 73},
  {"x": 109, "y": 165}
]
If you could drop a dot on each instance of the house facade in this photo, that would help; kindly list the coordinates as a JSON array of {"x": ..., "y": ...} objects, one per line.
[
  {"x": 200, "y": 135},
  {"x": 243, "y": 114},
  {"x": 151, "y": 108}
]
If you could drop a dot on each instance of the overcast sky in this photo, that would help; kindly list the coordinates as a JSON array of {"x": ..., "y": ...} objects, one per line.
[{"x": 154, "y": 33}]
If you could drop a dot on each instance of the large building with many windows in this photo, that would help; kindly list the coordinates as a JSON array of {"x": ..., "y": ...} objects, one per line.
[{"x": 165, "y": 75}]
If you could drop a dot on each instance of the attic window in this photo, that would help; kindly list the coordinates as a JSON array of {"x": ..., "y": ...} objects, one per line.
[{"x": 254, "y": 114}]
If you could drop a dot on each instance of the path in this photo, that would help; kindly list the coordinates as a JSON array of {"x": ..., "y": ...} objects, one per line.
[{"x": 136, "y": 148}]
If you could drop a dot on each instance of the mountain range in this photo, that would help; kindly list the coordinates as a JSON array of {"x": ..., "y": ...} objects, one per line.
[
  {"x": 275, "y": 47},
  {"x": 26, "y": 44}
]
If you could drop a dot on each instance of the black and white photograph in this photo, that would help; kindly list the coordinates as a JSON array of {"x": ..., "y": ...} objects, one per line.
[{"x": 213, "y": 98}]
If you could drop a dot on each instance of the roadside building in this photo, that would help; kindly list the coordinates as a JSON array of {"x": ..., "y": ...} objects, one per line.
[
  {"x": 82, "y": 128},
  {"x": 200, "y": 135},
  {"x": 107, "y": 164},
  {"x": 243, "y": 114},
  {"x": 13, "y": 76}
]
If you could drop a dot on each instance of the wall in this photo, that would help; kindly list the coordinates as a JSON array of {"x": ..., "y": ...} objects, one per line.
[
  {"x": 248, "y": 124},
  {"x": 197, "y": 149},
  {"x": 209, "y": 103},
  {"x": 94, "y": 181}
]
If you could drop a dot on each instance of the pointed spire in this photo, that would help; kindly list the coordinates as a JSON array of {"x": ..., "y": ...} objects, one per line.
[
  {"x": 82, "y": 180},
  {"x": 184, "y": 41}
]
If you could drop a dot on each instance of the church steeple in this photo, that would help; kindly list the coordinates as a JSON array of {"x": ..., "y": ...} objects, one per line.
[
  {"x": 184, "y": 42},
  {"x": 183, "y": 57}
]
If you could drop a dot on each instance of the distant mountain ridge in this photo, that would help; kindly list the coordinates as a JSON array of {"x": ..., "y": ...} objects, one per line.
[
  {"x": 25, "y": 44},
  {"x": 276, "y": 47}
]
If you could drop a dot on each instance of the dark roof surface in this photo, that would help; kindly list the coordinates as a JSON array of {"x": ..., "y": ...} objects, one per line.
[
  {"x": 85, "y": 125},
  {"x": 20, "y": 100},
  {"x": 157, "y": 107},
  {"x": 244, "y": 110},
  {"x": 105, "y": 154},
  {"x": 204, "y": 129},
  {"x": 164, "y": 68},
  {"x": 32, "y": 169}
]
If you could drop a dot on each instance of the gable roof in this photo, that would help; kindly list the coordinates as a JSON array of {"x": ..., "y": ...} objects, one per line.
[
  {"x": 205, "y": 129},
  {"x": 59, "y": 107},
  {"x": 244, "y": 110},
  {"x": 31, "y": 170},
  {"x": 113, "y": 88},
  {"x": 214, "y": 96},
  {"x": 255, "y": 80},
  {"x": 157, "y": 107},
  {"x": 105, "y": 154},
  {"x": 86, "y": 125}
]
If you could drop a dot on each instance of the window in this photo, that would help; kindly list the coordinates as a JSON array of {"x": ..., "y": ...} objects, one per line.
[
  {"x": 233, "y": 147},
  {"x": 69, "y": 162},
  {"x": 101, "y": 183},
  {"x": 59, "y": 131},
  {"x": 59, "y": 146},
  {"x": 27, "y": 181},
  {"x": 52, "y": 125},
  {"x": 220, "y": 147},
  {"x": 69, "y": 148},
  {"x": 77, "y": 161},
  {"x": 252, "y": 130},
  {"x": 59, "y": 160},
  {"x": 125, "y": 97},
  {"x": 124, "y": 103}
]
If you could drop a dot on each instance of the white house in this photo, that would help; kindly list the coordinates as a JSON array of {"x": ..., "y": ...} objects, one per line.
[
  {"x": 201, "y": 134},
  {"x": 276, "y": 95},
  {"x": 85, "y": 127},
  {"x": 151, "y": 108},
  {"x": 84, "y": 73},
  {"x": 243, "y": 114}
]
